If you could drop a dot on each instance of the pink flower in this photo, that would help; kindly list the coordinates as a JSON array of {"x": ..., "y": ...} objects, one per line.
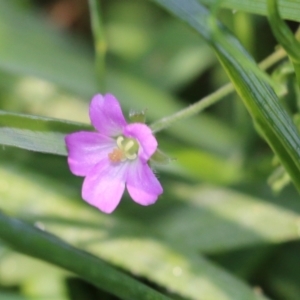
[{"x": 114, "y": 156}]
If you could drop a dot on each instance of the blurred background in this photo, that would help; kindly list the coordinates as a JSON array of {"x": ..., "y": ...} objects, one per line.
[{"x": 217, "y": 201}]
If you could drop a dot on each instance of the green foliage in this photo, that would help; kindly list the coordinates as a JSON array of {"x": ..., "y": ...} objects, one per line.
[
  {"x": 288, "y": 8},
  {"x": 218, "y": 228}
]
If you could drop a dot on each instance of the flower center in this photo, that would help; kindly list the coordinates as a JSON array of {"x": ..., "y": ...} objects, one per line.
[{"x": 127, "y": 149}]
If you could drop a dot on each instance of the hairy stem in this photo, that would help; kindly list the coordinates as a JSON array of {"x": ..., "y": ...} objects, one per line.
[{"x": 213, "y": 97}]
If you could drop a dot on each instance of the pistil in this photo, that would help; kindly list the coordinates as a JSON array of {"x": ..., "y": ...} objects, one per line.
[{"x": 127, "y": 148}]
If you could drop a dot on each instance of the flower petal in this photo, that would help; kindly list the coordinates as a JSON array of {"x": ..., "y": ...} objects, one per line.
[
  {"x": 104, "y": 185},
  {"x": 86, "y": 149},
  {"x": 142, "y": 185},
  {"x": 106, "y": 115},
  {"x": 143, "y": 134}
]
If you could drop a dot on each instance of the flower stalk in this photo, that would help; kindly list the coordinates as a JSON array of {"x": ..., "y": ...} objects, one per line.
[{"x": 212, "y": 98}]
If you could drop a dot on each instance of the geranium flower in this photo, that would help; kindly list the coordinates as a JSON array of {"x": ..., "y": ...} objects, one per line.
[{"x": 114, "y": 156}]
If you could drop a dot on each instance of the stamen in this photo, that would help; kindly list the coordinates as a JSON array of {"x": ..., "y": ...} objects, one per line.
[
  {"x": 128, "y": 145},
  {"x": 131, "y": 156},
  {"x": 127, "y": 148},
  {"x": 117, "y": 155},
  {"x": 120, "y": 139}
]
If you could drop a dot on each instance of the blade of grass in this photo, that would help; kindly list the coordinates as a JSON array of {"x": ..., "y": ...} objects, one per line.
[
  {"x": 126, "y": 240},
  {"x": 34, "y": 242},
  {"x": 36, "y": 133},
  {"x": 290, "y": 9},
  {"x": 250, "y": 82},
  {"x": 284, "y": 36}
]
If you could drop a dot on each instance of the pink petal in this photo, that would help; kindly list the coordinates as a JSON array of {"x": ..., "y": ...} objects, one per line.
[
  {"x": 85, "y": 149},
  {"x": 104, "y": 185},
  {"x": 146, "y": 139},
  {"x": 106, "y": 115},
  {"x": 142, "y": 185}
]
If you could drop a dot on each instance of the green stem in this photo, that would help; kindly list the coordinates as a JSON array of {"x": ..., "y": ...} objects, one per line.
[
  {"x": 99, "y": 41},
  {"x": 212, "y": 98},
  {"x": 34, "y": 242},
  {"x": 194, "y": 108},
  {"x": 272, "y": 59}
]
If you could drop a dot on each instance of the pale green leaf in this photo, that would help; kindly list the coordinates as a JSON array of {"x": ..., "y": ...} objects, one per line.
[
  {"x": 35, "y": 242},
  {"x": 36, "y": 133},
  {"x": 273, "y": 122},
  {"x": 11, "y": 296},
  {"x": 204, "y": 218},
  {"x": 290, "y": 9}
]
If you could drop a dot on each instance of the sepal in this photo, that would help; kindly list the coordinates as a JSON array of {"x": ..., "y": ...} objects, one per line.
[
  {"x": 160, "y": 158},
  {"x": 137, "y": 116}
]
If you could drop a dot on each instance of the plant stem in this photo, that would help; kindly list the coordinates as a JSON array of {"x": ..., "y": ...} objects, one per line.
[
  {"x": 272, "y": 59},
  {"x": 213, "y": 97},
  {"x": 194, "y": 108},
  {"x": 99, "y": 42}
]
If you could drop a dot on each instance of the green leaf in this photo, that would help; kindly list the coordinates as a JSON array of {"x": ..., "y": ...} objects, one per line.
[
  {"x": 215, "y": 220},
  {"x": 282, "y": 32},
  {"x": 201, "y": 166},
  {"x": 35, "y": 242},
  {"x": 36, "y": 279},
  {"x": 289, "y": 9},
  {"x": 36, "y": 133},
  {"x": 223, "y": 219},
  {"x": 284, "y": 36},
  {"x": 11, "y": 296},
  {"x": 249, "y": 81},
  {"x": 115, "y": 238}
]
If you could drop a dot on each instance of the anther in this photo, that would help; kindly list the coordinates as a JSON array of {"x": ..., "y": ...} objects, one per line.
[
  {"x": 117, "y": 155},
  {"x": 127, "y": 149}
]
